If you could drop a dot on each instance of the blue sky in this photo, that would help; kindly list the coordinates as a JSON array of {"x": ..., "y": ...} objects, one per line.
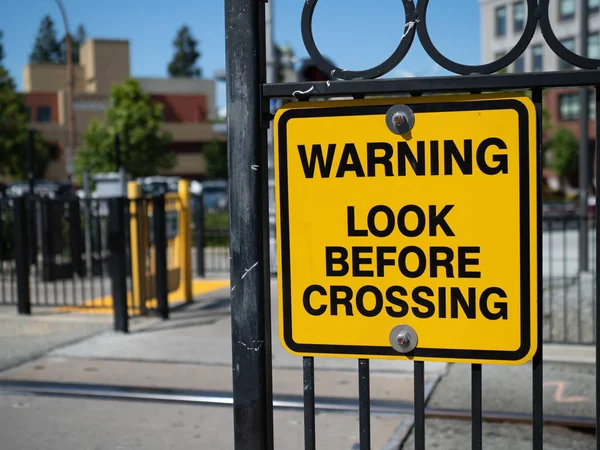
[{"x": 354, "y": 34}]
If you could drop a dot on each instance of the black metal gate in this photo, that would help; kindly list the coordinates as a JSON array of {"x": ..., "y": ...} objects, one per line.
[{"x": 248, "y": 97}]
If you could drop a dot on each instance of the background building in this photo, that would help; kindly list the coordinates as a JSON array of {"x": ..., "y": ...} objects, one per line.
[
  {"x": 502, "y": 23},
  {"x": 189, "y": 104}
]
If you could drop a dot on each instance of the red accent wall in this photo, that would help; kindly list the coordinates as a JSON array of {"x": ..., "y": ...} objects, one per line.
[
  {"x": 36, "y": 99},
  {"x": 183, "y": 108},
  {"x": 552, "y": 103}
]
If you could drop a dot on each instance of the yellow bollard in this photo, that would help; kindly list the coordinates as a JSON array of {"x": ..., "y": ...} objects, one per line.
[
  {"x": 138, "y": 226},
  {"x": 185, "y": 233}
]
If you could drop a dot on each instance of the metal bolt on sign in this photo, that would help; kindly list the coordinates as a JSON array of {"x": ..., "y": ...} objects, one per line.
[
  {"x": 400, "y": 119},
  {"x": 403, "y": 338}
]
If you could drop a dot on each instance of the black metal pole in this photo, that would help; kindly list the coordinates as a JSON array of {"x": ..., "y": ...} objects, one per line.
[
  {"x": 22, "y": 255},
  {"x": 31, "y": 160},
  {"x": 31, "y": 181},
  {"x": 597, "y": 268},
  {"x": 584, "y": 161},
  {"x": 200, "y": 236},
  {"x": 160, "y": 244},
  {"x": 248, "y": 212},
  {"x": 118, "y": 262}
]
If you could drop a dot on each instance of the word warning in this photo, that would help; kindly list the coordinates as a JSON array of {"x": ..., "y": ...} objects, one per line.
[{"x": 433, "y": 230}]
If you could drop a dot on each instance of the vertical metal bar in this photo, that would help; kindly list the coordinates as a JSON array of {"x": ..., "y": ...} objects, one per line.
[
  {"x": 160, "y": 253},
  {"x": 538, "y": 376},
  {"x": 597, "y": 229},
  {"x": 250, "y": 293},
  {"x": 584, "y": 160},
  {"x": 74, "y": 245},
  {"x": 564, "y": 279},
  {"x": 34, "y": 255},
  {"x": 21, "y": 240},
  {"x": 309, "y": 404},
  {"x": 31, "y": 160},
  {"x": 61, "y": 224},
  {"x": 100, "y": 241},
  {"x": 419, "y": 405},
  {"x": 476, "y": 408},
  {"x": 200, "y": 235},
  {"x": 364, "y": 404},
  {"x": 87, "y": 217},
  {"x": 550, "y": 280},
  {"x": 116, "y": 242}
]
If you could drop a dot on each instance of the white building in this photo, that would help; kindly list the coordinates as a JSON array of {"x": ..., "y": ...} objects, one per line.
[{"x": 502, "y": 24}]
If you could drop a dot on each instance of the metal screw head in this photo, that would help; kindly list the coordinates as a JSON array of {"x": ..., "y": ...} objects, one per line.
[
  {"x": 400, "y": 119},
  {"x": 403, "y": 338}
]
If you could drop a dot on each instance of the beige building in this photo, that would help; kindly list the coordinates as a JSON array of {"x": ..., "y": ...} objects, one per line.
[{"x": 189, "y": 104}]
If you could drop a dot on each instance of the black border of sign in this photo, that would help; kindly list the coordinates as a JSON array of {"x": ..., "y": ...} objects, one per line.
[{"x": 524, "y": 198}]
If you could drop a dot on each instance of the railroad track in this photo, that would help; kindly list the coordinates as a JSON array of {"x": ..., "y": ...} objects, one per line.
[{"x": 290, "y": 402}]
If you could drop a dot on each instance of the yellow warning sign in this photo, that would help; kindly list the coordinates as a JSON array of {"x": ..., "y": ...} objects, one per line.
[{"x": 406, "y": 228}]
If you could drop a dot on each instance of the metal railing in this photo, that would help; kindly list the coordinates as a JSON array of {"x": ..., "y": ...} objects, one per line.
[
  {"x": 247, "y": 95},
  {"x": 65, "y": 269},
  {"x": 211, "y": 239},
  {"x": 569, "y": 293}
]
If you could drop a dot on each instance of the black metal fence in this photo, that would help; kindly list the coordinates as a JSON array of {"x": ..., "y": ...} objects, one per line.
[
  {"x": 67, "y": 252},
  {"x": 248, "y": 97},
  {"x": 211, "y": 239},
  {"x": 569, "y": 290}
]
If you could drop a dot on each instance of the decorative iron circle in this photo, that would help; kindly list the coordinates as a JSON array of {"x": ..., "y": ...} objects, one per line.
[
  {"x": 464, "y": 69},
  {"x": 558, "y": 47},
  {"x": 374, "y": 72}
]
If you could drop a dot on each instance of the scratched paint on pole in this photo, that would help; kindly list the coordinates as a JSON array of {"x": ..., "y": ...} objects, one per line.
[{"x": 434, "y": 228}]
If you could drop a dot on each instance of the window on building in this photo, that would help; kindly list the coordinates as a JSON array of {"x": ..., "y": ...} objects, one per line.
[
  {"x": 593, "y": 50},
  {"x": 592, "y": 105},
  {"x": 538, "y": 58},
  {"x": 593, "y": 6},
  {"x": 518, "y": 16},
  {"x": 43, "y": 114},
  {"x": 569, "y": 45},
  {"x": 519, "y": 64},
  {"x": 569, "y": 106},
  {"x": 28, "y": 112},
  {"x": 566, "y": 9},
  {"x": 501, "y": 21}
]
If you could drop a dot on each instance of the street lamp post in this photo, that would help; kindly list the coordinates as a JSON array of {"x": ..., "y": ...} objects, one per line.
[{"x": 70, "y": 88}]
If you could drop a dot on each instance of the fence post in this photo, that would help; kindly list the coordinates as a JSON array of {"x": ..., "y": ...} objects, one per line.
[
  {"x": 118, "y": 263},
  {"x": 47, "y": 255},
  {"x": 21, "y": 238},
  {"x": 183, "y": 189},
  {"x": 248, "y": 212},
  {"x": 200, "y": 235},
  {"x": 160, "y": 253}
]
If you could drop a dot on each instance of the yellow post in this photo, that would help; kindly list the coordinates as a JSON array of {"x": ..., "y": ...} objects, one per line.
[
  {"x": 138, "y": 249},
  {"x": 185, "y": 234}
]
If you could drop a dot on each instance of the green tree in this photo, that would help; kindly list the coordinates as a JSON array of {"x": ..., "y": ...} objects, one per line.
[
  {"x": 46, "y": 48},
  {"x": 14, "y": 125},
  {"x": 137, "y": 121},
  {"x": 184, "y": 60},
  {"x": 565, "y": 159},
  {"x": 215, "y": 154},
  {"x": 78, "y": 40}
]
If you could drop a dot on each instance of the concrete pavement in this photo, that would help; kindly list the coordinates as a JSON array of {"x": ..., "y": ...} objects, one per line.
[
  {"x": 23, "y": 338},
  {"x": 192, "y": 350}
]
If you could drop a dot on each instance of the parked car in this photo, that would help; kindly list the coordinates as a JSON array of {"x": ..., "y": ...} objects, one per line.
[
  {"x": 42, "y": 188},
  {"x": 215, "y": 194}
]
